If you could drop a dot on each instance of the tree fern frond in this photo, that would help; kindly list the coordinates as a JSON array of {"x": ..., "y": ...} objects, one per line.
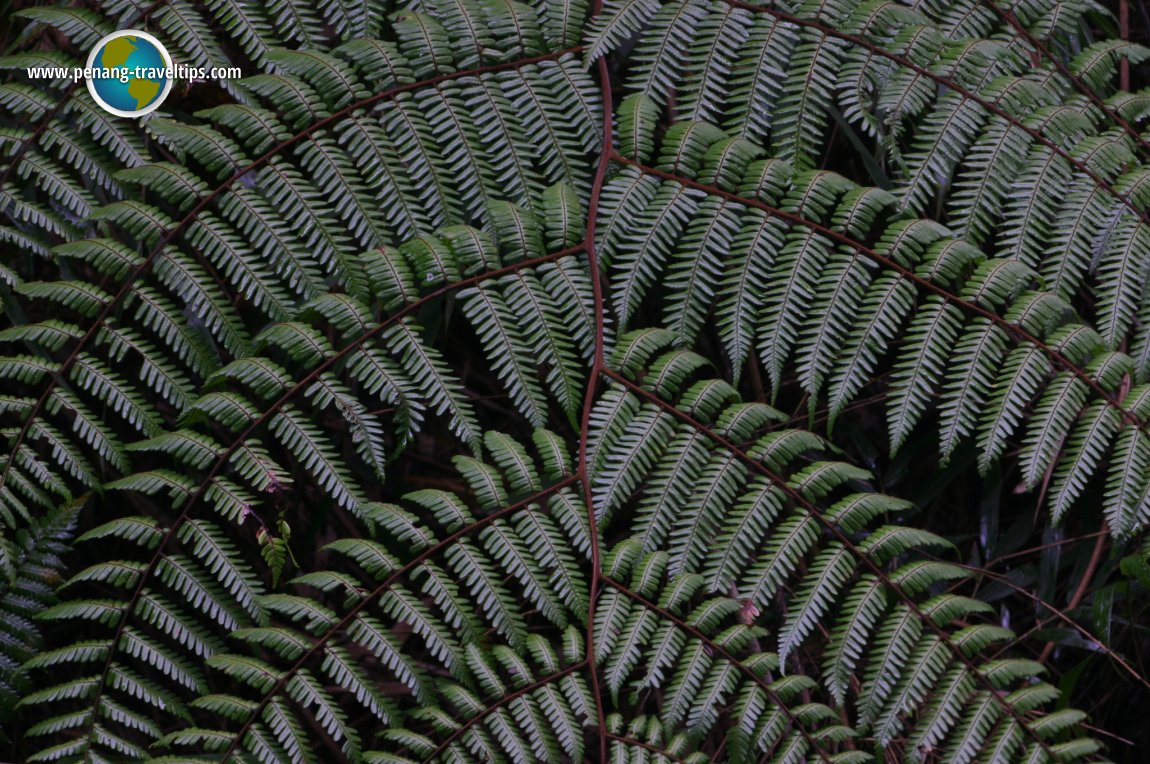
[
  {"x": 909, "y": 654},
  {"x": 419, "y": 380}
]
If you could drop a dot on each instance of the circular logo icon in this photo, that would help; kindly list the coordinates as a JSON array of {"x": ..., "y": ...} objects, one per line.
[{"x": 130, "y": 73}]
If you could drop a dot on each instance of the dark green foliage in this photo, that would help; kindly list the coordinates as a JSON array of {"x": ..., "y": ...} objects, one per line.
[
  {"x": 30, "y": 560},
  {"x": 431, "y": 383}
]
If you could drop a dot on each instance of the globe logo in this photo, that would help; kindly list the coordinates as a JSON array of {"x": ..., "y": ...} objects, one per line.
[{"x": 130, "y": 73}]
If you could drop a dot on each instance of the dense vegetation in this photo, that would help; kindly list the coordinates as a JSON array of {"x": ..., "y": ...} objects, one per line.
[{"x": 565, "y": 381}]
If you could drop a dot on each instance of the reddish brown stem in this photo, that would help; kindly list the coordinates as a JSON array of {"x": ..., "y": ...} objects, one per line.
[
  {"x": 1057, "y": 614},
  {"x": 1124, "y": 33},
  {"x": 598, "y": 363},
  {"x": 1083, "y": 585}
]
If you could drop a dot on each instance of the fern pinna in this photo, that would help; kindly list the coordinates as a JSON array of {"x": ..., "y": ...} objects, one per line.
[{"x": 422, "y": 395}]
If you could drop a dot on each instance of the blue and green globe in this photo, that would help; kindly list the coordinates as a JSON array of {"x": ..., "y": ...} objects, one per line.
[{"x": 138, "y": 53}]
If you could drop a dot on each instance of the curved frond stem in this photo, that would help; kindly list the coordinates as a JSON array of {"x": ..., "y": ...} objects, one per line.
[
  {"x": 502, "y": 702},
  {"x": 719, "y": 751},
  {"x": 1043, "y": 50},
  {"x": 302, "y": 384},
  {"x": 384, "y": 586},
  {"x": 842, "y": 538},
  {"x": 598, "y": 364},
  {"x": 718, "y": 649},
  {"x": 170, "y": 235},
  {"x": 1058, "y": 614},
  {"x": 1016, "y": 331},
  {"x": 1042, "y": 547},
  {"x": 1096, "y": 730},
  {"x": 1083, "y": 585}
]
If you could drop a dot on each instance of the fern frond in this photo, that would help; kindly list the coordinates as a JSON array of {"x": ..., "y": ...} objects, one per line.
[
  {"x": 885, "y": 647},
  {"x": 422, "y": 378},
  {"x": 30, "y": 564}
]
